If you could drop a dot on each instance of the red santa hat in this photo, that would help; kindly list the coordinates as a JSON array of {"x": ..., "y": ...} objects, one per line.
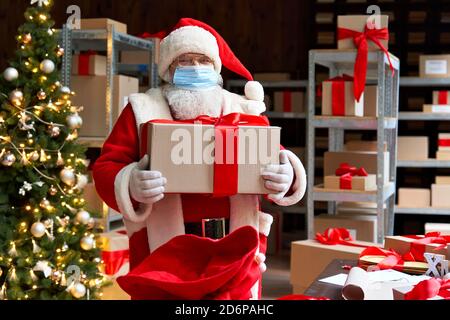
[{"x": 193, "y": 36}]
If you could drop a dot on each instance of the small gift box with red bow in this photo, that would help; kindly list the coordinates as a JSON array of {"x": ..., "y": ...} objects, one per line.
[
  {"x": 338, "y": 98},
  {"x": 88, "y": 64},
  {"x": 289, "y": 101},
  {"x": 219, "y": 156},
  {"x": 351, "y": 178},
  {"x": 414, "y": 246},
  {"x": 441, "y": 97},
  {"x": 443, "y": 152}
]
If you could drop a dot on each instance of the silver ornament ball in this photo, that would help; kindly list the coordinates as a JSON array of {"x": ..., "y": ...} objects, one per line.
[
  {"x": 44, "y": 203},
  {"x": 34, "y": 156},
  {"x": 67, "y": 176},
  {"x": 10, "y": 74},
  {"x": 83, "y": 217},
  {"x": 78, "y": 290},
  {"x": 91, "y": 223},
  {"x": 65, "y": 90},
  {"x": 47, "y": 66},
  {"x": 54, "y": 131},
  {"x": 87, "y": 243},
  {"x": 38, "y": 229},
  {"x": 74, "y": 121},
  {"x": 8, "y": 159}
]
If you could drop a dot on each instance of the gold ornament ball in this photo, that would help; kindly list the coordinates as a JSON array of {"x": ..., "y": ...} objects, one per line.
[
  {"x": 16, "y": 97},
  {"x": 10, "y": 74},
  {"x": 38, "y": 229},
  {"x": 47, "y": 66},
  {"x": 87, "y": 243},
  {"x": 78, "y": 290},
  {"x": 54, "y": 131},
  {"x": 27, "y": 38},
  {"x": 8, "y": 159},
  {"x": 41, "y": 95},
  {"x": 44, "y": 203},
  {"x": 67, "y": 176},
  {"x": 34, "y": 156},
  {"x": 60, "y": 52},
  {"x": 83, "y": 217},
  {"x": 74, "y": 121}
]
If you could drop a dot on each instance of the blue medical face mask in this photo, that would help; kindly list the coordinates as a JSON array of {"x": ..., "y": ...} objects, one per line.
[{"x": 195, "y": 77}]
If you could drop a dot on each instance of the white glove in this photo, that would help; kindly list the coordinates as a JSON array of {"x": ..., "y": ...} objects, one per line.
[
  {"x": 146, "y": 186},
  {"x": 278, "y": 177}
]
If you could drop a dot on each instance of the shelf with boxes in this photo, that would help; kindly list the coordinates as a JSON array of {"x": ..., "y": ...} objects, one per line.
[{"x": 99, "y": 79}]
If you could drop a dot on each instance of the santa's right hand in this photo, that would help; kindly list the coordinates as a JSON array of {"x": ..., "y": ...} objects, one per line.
[{"x": 146, "y": 186}]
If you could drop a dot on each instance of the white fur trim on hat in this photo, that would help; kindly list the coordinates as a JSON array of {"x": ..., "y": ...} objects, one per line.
[{"x": 189, "y": 39}]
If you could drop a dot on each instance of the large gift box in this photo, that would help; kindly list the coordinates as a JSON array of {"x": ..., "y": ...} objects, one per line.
[
  {"x": 102, "y": 23},
  {"x": 222, "y": 156},
  {"x": 91, "y": 94},
  {"x": 338, "y": 98},
  {"x": 310, "y": 257},
  {"x": 116, "y": 256},
  {"x": 441, "y": 97},
  {"x": 289, "y": 101},
  {"x": 412, "y": 148},
  {"x": 434, "y": 66},
  {"x": 417, "y": 245},
  {"x": 88, "y": 64},
  {"x": 351, "y": 178},
  {"x": 350, "y": 26}
]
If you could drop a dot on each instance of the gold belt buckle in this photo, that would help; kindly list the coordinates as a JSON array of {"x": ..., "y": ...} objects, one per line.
[{"x": 213, "y": 228}]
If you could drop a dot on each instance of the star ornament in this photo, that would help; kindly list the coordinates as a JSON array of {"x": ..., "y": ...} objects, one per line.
[{"x": 40, "y": 2}]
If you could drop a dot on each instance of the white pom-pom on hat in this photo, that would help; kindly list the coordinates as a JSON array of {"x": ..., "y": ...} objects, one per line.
[{"x": 254, "y": 91}]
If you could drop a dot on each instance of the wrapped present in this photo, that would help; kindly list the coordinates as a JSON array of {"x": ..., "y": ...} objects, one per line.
[
  {"x": 88, "y": 64},
  {"x": 289, "y": 101},
  {"x": 334, "y": 243},
  {"x": 365, "y": 33},
  {"x": 224, "y": 156},
  {"x": 414, "y": 246},
  {"x": 361, "y": 226},
  {"x": 102, "y": 23},
  {"x": 350, "y": 178},
  {"x": 441, "y": 97},
  {"x": 444, "y": 141},
  {"x": 338, "y": 98},
  {"x": 429, "y": 289},
  {"x": 434, "y": 66}
]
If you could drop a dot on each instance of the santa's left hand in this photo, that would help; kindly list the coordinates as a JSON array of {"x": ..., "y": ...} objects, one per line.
[{"x": 278, "y": 177}]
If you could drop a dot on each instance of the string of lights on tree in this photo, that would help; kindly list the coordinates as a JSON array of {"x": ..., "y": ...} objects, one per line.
[{"x": 45, "y": 231}]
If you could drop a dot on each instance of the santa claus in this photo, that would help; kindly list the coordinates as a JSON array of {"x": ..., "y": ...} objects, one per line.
[{"x": 163, "y": 227}]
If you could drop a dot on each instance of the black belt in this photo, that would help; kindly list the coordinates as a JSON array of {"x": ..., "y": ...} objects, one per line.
[{"x": 215, "y": 228}]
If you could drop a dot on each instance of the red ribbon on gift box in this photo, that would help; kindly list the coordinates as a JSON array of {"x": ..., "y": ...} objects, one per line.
[
  {"x": 84, "y": 62},
  {"x": 346, "y": 173},
  {"x": 114, "y": 260},
  {"x": 334, "y": 236},
  {"x": 417, "y": 247},
  {"x": 226, "y": 140},
  {"x": 360, "y": 40},
  {"x": 442, "y": 97},
  {"x": 338, "y": 94},
  {"x": 392, "y": 260},
  {"x": 430, "y": 288},
  {"x": 444, "y": 142}
]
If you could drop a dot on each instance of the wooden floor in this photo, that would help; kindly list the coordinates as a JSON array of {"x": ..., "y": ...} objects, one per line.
[{"x": 276, "y": 279}]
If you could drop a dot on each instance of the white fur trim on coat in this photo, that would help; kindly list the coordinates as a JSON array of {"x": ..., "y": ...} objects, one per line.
[
  {"x": 299, "y": 185},
  {"x": 265, "y": 222},
  {"x": 189, "y": 39}
]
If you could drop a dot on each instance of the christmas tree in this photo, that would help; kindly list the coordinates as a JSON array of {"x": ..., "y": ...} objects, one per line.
[{"x": 47, "y": 239}]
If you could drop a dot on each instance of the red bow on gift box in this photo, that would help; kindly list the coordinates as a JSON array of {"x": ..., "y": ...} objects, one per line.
[
  {"x": 430, "y": 288},
  {"x": 346, "y": 173},
  {"x": 417, "y": 247},
  {"x": 360, "y": 40},
  {"x": 338, "y": 94},
  {"x": 392, "y": 260},
  {"x": 333, "y": 236}
]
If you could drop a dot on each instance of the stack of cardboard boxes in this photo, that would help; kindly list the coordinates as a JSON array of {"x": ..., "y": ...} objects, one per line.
[
  {"x": 437, "y": 197},
  {"x": 436, "y": 66}
]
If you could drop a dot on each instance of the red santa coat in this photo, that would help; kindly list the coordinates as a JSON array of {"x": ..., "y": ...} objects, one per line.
[{"x": 150, "y": 226}]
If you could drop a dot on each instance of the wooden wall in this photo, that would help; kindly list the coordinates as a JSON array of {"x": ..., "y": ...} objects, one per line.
[{"x": 266, "y": 35}]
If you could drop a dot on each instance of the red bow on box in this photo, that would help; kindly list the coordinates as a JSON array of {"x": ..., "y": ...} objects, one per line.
[
  {"x": 338, "y": 94},
  {"x": 392, "y": 260},
  {"x": 225, "y": 173},
  {"x": 84, "y": 61},
  {"x": 360, "y": 40},
  {"x": 333, "y": 236},
  {"x": 417, "y": 247},
  {"x": 430, "y": 288},
  {"x": 346, "y": 173}
]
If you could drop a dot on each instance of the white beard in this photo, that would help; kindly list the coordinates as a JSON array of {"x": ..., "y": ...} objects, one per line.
[{"x": 189, "y": 104}]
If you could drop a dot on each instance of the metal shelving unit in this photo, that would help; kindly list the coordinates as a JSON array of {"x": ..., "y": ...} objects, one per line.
[
  {"x": 112, "y": 42},
  {"x": 339, "y": 62}
]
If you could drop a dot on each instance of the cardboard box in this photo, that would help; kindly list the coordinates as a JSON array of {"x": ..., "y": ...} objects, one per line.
[
  {"x": 441, "y": 97},
  {"x": 309, "y": 258},
  {"x": 412, "y": 148},
  {"x": 402, "y": 245},
  {"x": 434, "y": 66},
  {"x": 442, "y": 180},
  {"x": 361, "y": 227},
  {"x": 371, "y": 101},
  {"x": 102, "y": 23},
  {"x": 368, "y": 183},
  {"x": 414, "y": 197},
  {"x": 91, "y": 94},
  {"x": 443, "y": 155},
  {"x": 362, "y": 145},
  {"x": 94, "y": 66},
  {"x": 368, "y": 160},
  {"x": 443, "y": 228},
  {"x": 271, "y": 76},
  {"x": 440, "y": 195},
  {"x": 140, "y": 56},
  {"x": 436, "y": 108},
  {"x": 444, "y": 141},
  {"x": 358, "y": 23},
  {"x": 351, "y": 106},
  {"x": 184, "y": 153},
  {"x": 289, "y": 101}
]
